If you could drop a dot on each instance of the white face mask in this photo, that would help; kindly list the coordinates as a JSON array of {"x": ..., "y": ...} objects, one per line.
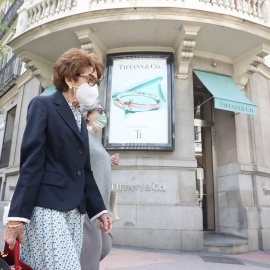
[{"x": 86, "y": 94}]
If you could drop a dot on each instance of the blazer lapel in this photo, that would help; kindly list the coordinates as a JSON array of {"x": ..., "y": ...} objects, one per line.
[{"x": 65, "y": 112}]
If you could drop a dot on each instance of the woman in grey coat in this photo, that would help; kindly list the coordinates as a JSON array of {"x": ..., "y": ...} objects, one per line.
[{"x": 97, "y": 245}]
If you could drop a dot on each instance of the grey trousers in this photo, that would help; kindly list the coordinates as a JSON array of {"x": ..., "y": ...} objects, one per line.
[{"x": 96, "y": 245}]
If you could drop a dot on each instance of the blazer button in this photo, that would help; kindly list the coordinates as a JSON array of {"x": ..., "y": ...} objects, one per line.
[
  {"x": 79, "y": 173},
  {"x": 80, "y": 151}
]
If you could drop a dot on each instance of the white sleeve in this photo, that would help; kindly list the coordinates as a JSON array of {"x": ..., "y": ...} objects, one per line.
[
  {"x": 99, "y": 214},
  {"x": 25, "y": 220},
  {"x": 5, "y": 215}
]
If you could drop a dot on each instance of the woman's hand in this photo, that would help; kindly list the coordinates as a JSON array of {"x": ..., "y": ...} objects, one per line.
[
  {"x": 115, "y": 160},
  {"x": 105, "y": 223},
  {"x": 11, "y": 234}
]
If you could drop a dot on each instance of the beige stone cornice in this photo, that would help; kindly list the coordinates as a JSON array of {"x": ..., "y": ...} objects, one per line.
[
  {"x": 184, "y": 49},
  {"x": 40, "y": 67},
  {"x": 141, "y": 49},
  {"x": 24, "y": 78},
  {"x": 102, "y": 16},
  {"x": 264, "y": 70},
  {"x": 247, "y": 64},
  {"x": 91, "y": 43},
  {"x": 9, "y": 95}
]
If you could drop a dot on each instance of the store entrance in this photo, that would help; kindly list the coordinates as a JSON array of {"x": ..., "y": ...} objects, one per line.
[{"x": 204, "y": 147}]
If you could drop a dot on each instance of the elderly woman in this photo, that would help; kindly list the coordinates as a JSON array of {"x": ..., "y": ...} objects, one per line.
[
  {"x": 95, "y": 244},
  {"x": 56, "y": 185}
]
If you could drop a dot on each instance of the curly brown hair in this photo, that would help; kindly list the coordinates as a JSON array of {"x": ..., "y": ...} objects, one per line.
[{"x": 71, "y": 62}]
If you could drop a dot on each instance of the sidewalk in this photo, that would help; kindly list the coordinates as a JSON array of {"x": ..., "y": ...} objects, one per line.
[{"x": 128, "y": 258}]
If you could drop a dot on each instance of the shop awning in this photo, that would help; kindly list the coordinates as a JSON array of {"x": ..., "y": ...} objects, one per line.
[
  {"x": 226, "y": 94},
  {"x": 50, "y": 90}
]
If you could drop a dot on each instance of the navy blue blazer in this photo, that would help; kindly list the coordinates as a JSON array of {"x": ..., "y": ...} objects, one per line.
[{"x": 55, "y": 167}]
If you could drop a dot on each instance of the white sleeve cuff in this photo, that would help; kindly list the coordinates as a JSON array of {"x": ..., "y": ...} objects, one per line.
[
  {"x": 99, "y": 214},
  {"x": 25, "y": 220}
]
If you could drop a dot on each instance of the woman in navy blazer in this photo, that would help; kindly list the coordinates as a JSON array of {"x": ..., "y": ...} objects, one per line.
[{"x": 56, "y": 184}]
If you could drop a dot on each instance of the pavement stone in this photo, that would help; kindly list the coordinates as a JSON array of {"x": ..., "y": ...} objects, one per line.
[{"x": 129, "y": 258}]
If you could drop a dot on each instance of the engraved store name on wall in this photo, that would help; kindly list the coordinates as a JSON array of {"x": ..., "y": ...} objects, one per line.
[
  {"x": 266, "y": 191},
  {"x": 147, "y": 187}
]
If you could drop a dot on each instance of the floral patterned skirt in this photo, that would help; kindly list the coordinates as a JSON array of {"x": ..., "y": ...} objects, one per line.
[{"x": 53, "y": 240}]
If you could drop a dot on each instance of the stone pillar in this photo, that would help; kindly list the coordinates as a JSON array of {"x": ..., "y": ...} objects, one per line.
[
  {"x": 191, "y": 230},
  {"x": 259, "y": 90},
  {"x": 184, "y": 118},
  {"x": 244, "y": 168}
]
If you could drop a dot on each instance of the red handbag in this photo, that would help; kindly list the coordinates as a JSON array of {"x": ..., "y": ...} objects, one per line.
[{"x": 12, "y": 258}]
